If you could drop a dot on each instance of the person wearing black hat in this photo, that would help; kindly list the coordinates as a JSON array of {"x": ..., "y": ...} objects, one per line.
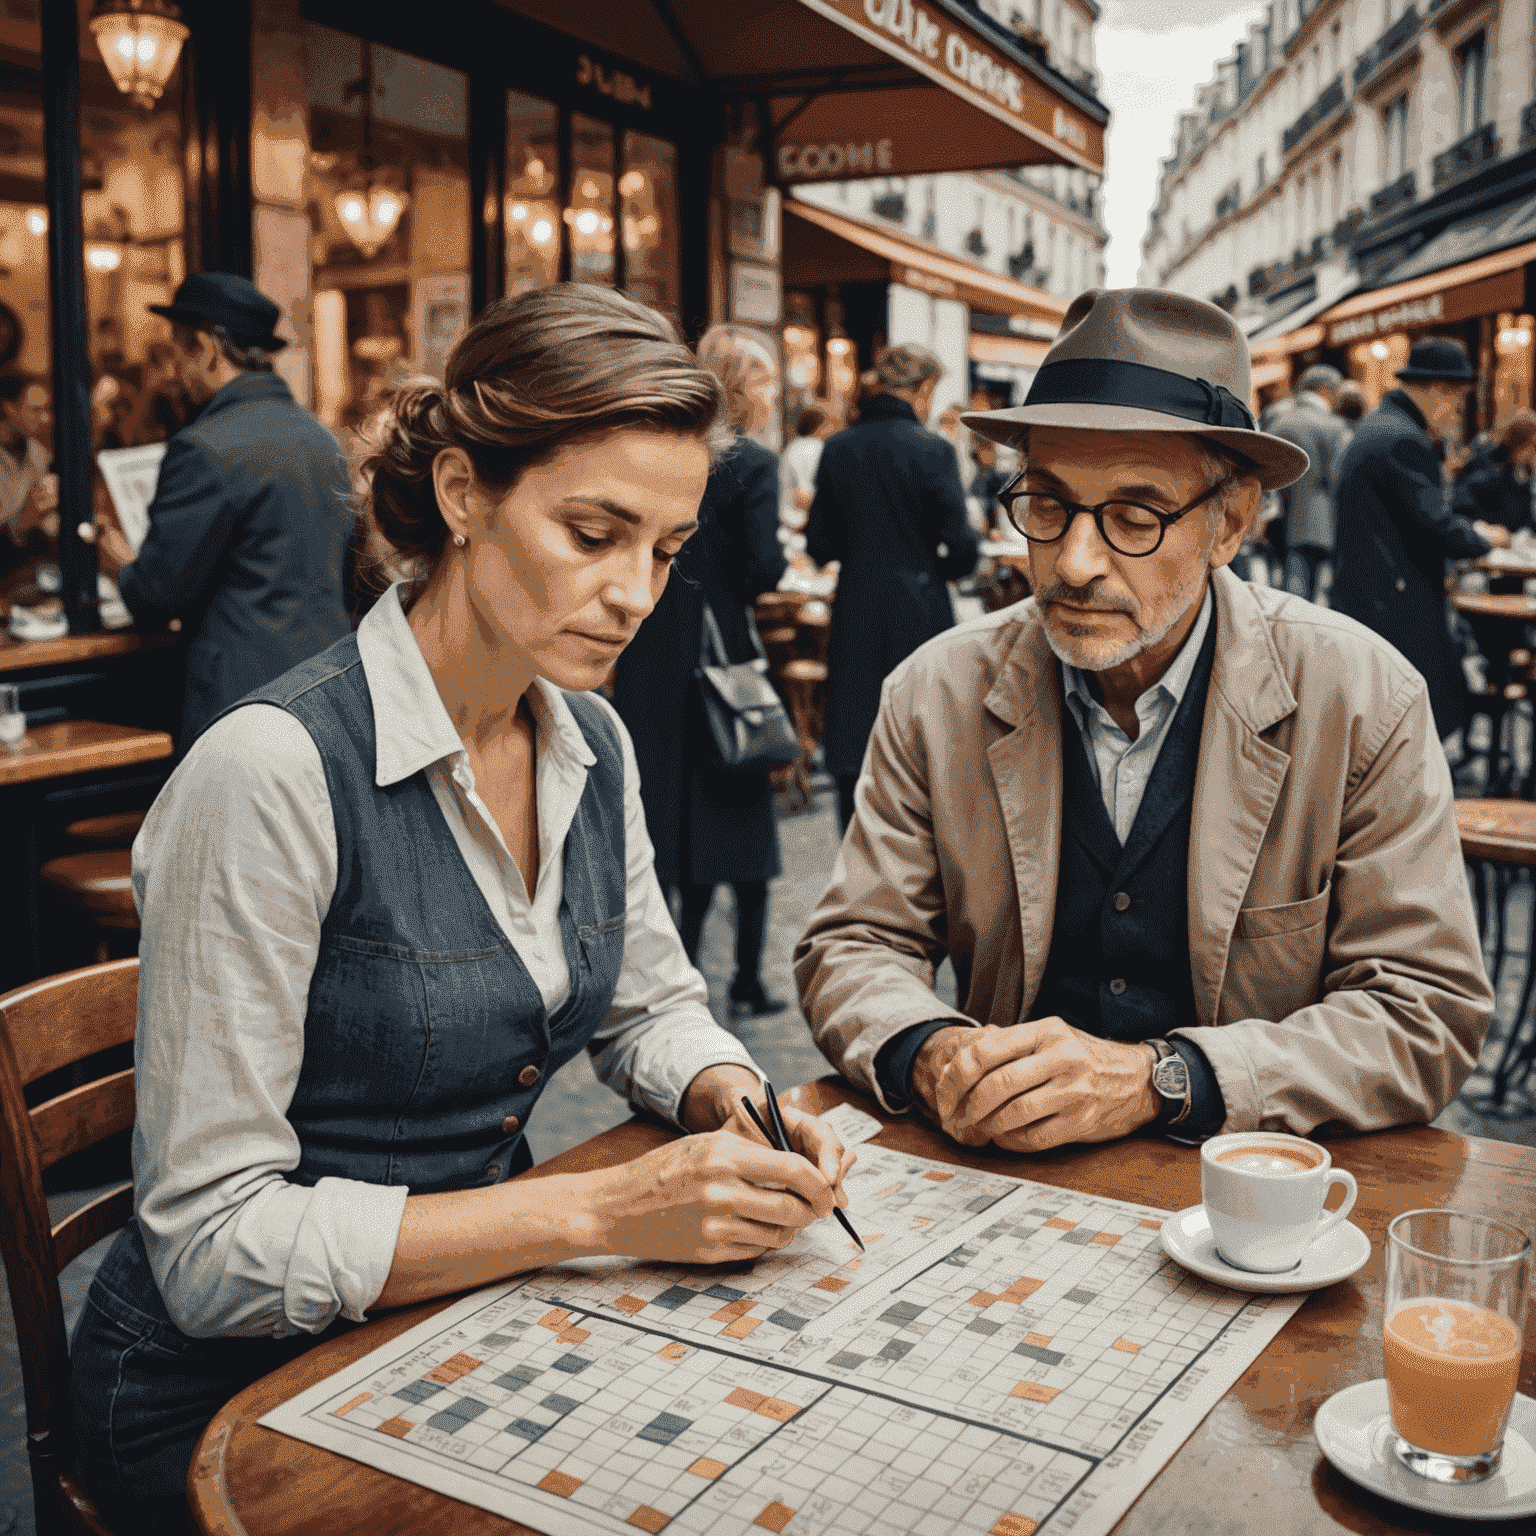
[
  {"x": 1395, "y": 527},
  {"x": 249, "y": 526}
]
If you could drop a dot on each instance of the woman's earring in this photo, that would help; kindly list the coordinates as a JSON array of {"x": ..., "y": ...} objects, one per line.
[{"x": 458, "y": 539}]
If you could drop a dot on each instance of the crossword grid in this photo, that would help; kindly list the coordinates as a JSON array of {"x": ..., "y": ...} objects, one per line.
[{"x": 1045, "y": 1365}]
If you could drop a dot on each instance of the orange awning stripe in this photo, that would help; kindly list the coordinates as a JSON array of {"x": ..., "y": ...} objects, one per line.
[{"x": 1431, "y": 282}]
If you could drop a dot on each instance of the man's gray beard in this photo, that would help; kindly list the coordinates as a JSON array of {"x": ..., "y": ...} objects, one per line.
[{"x": 1133, "y": 647}]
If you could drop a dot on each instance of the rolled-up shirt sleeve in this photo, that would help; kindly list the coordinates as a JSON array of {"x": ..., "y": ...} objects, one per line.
[
  {"x": 659, "y": 1033},
  {"x": 233, "y": 875}
]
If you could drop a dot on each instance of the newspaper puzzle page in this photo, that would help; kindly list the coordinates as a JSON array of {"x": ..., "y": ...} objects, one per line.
[{"x": 1007, "y": 1358}]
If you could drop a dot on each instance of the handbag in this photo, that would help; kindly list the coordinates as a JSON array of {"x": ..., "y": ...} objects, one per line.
[{"x": 749, "y": 728}]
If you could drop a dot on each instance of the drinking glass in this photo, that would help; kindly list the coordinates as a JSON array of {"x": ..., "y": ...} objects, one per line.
[
  {"x": 1454, "y": 1328},
  {"x": 13, "y": 723}
]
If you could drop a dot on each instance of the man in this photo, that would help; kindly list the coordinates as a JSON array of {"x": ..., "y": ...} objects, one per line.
[
  {"x": 29, "y": 494},
  {"x": 889, "y": 507},
  {"x": 1308, "y": 504},
  {"x": 1188, "y": 843},
  {"x": 1396, "y": 530},
  {"x": 251, "y": 516}
]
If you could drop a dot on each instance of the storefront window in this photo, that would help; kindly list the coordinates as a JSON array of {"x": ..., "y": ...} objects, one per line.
[
  {"x": 589, "y": 218},
  {"x": 532, "y": 213},
  {"x": 1512, "y": 366},
  {"x": 648, "y": 189},
  {"x": 1374, "y": 364},
  {"x": 387, "y": 184}
]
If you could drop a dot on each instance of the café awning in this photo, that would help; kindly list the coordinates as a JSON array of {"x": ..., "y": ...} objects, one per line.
[
  {"x": 858, "y": 87},
  {"x": 825, "y": 247}
]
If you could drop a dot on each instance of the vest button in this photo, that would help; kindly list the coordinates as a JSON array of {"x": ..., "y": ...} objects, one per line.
[
  {"x": 511, "y": 1125},
  {"x": 1122, "y": 901},
  {"x": 1402, "y": 586},
  {"x": 494, "y": 1171},
  {"x": 528, "y": 1076},
  {"x": 1117, "y": 986}
]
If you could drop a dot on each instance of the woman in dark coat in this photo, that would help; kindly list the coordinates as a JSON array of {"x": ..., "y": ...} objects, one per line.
[
  {"x": 1495, "y": 482},
  {"x": 888, "y": 499},
  {"x": 711, "y": 824}
]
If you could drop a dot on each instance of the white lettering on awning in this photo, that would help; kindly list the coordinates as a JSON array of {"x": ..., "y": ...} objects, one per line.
[
  {"x": 812, "y": 160},
  {"x": 1414, "y": 312},
  {"x": 903, "y": 19}
]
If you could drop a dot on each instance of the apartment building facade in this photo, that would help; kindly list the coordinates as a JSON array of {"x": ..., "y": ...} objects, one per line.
[{"x": 1348, "y": 149}]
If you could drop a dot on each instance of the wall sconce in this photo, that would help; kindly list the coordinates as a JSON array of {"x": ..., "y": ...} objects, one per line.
[
  {"x": 140, "y": 41},
  {"x": 37, "y": 221},
  {"x": 103, "y": 258}
]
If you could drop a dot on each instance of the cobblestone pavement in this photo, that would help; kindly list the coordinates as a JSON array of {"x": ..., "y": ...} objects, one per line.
[{"x": 575, "y": 1105}]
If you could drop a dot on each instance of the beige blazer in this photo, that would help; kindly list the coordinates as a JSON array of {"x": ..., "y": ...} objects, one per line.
[{"x": 1337, "y": 971}]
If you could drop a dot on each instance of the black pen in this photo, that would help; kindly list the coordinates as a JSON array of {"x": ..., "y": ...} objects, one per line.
[{"x": 778, "y": 1139}]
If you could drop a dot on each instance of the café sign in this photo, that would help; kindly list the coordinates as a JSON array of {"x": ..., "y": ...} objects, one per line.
[{"x": 1382, "y": 322}]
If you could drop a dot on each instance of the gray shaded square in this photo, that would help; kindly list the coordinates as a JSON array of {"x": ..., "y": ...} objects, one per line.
[
  {"x": 782, "y": 1319},
  {"x": 665, "y": 1428},
  {"x": 981, "y": 1203},
  {"x": 501, "y": 1340},
  {"x": 418, "y": 1391},
  {"x": 527, "y": 1429},
  {"x": 1036, "y": 1352},
  {"x": 846, "y": 1360},
  {"x": 723, "y": 1293},
  {"x": 572, "y": 1365},
  {"x": 449, "y": 1423},
  {"x": 557, "y": 1404},
  {"x": 983, "y": 1325},
  {"x": 895, "y": 1349},
  {"x": 673, "y": 1297},
  {"x": 465, "y": 1409},
  {"x": 1082, "y": 1297},
  {"x": 1078, "y": 1237},
  {"x": 902, "y": 1312},
  {"x": 517, "y": 1378}
]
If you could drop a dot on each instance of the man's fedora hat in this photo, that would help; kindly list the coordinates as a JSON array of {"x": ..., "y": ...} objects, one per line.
[
  {"x": 1438, "y": 359},
  {"x": 220, "y": 298},
  {"x": 1142, "y": 360}
]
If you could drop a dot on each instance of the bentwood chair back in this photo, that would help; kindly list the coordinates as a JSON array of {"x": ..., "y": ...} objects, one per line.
[{"x": 46, "y": 1026}]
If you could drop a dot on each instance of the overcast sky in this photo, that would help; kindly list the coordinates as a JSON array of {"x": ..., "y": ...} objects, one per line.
[{"x": 1152, "y": 54}]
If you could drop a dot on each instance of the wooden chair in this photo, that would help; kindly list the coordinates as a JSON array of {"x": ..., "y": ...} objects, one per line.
[
  {"x": 116, "y": 831},
  {"x": 98, "y": 887},
  {"x": 44, "y": 1027}
]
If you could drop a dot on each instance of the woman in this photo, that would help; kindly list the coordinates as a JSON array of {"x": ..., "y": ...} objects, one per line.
[
  {"x": 713, "y": 825},
  {"x": 888, "y": 506},
  {"x": 387, "y": 895},
  {"x": 797, "y": 467},
  {"x": 1494, "y": 485}
]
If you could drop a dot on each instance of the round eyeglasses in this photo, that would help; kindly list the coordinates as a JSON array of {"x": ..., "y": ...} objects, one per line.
[{"x": 1128, "y": 527}]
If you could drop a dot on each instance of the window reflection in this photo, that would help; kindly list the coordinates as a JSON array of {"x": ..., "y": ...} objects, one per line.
[
  {"x": 648, "y": 189},
  {"x": 589, "y": 218},
  {"x": 532, "y": 214}
]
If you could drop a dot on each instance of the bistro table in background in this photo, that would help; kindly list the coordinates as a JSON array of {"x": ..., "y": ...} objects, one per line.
[
  {"x": 1500, "y": 624},
  {"x": 1251, "y": 1467}
]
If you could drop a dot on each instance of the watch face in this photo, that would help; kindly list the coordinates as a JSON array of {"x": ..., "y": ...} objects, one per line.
[{"x": 1171, "y": 1077}]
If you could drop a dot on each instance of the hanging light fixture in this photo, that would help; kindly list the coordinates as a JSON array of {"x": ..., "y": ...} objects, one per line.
[
  {"x": 140, "y": 41},
  {"x": 370, "y": 208}
]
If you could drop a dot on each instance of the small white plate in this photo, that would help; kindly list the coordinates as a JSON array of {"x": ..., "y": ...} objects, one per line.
[
  {"x": 1354, "y": 1431},
  {"x": 1187, "y": 1240}
]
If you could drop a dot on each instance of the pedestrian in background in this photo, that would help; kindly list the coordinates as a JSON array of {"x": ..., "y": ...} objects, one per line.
[
  {"x": 890, "y": 508},
  {"x": 1495, "y": 482},
  {"x": 797, "y": 466},
  {"x": 1351, "y": 403},
  {"x": 710, "y": 824},
  {"x": 1308, "y": 503},
  {"x": 29, "y": 493},
  {"x": 251, "y": 517},
  {"x": 1395, "y": 530}
]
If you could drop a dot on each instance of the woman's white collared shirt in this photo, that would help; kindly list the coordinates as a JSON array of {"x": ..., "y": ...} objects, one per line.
[{"x": 233, "y": 873}]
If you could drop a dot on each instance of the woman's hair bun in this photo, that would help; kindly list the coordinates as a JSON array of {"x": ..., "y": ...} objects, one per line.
[{"x": 403, "y": 441}]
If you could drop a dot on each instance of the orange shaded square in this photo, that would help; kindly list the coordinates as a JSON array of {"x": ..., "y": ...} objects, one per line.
[
  {"x": 777, "y": 1410},
  {"x": 890, "y": 1189},
  {"x": 629, "y": 1304},
  {"x": 357, "y": 1402},
  {"x": 733, "y": 1309},
  {"x": 1022, "y": 1288},
  {"x": 1151, "y": 1226},
  {"x": 555, "y": 1320},
  {"x": 775, "y": 1517},
  {"x": 830, "y": 1283},
  {"x": 704, "y": 1467},
  {"x": 648, "y": 1519},
  {"x": 919, "y": 1222},
  {"x": 673, "y": 1352},
  {"x": 450, "y": 1370},
  {"x": 1106, "y": 1239},
  {"x": 938, "y": 1178},
  {"x": 1034, "y": 1392},
  {"x": 1042, "y": 1339},
  {"x": 869, "y": 1237},
  {"x": 573, "y": 1336},
  {"x": 740, "y": 1328},
  {"x": 399, "y": 1428},
  {"x": 1126, "y": 1347},
  {"x": 744, "y": 1397},
  {"x": 982, "y": 1299},
  {"x": 1057, "y": 1224},
  {"x": 1015, "y": 1525},
  {"x": 561, "y": 1484}
]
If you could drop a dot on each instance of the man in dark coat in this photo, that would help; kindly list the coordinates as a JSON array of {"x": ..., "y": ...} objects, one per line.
[
  {"x": 1395, "y": 529},
  {"x": 249, "y": 525},
  {"x": 889, "y": 506},
  {"x": 1308, "y": 504}
]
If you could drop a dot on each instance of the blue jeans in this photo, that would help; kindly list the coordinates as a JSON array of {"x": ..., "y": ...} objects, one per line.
[{"x": 144, "y": 1391}]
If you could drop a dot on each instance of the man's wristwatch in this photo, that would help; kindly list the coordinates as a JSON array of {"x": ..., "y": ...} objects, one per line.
[{"x": 1170, "y": 1080}]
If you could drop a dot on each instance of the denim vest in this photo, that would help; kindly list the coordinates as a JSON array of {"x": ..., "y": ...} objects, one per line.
[{"x": 1120, "y": 968}]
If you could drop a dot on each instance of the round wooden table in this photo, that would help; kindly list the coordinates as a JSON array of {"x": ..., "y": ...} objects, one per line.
[
  {"x": 1250, "y": 1468},
  {"x": 1511, "y": 607},
  {"x": 1521, "y": 568}
]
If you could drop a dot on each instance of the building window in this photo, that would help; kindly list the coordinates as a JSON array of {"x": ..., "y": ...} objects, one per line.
[
  {"x": 532, "y": 214},
  {"x": 1395, "y": 123},
  {"x": 1260, "y": 174},
  {"x": 1470, "y": 60}
]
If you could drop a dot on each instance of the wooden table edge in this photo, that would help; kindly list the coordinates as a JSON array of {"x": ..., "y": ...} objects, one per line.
[{"x": 142, "y": 747}]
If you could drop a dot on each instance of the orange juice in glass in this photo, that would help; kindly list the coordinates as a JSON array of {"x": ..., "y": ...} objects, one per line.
[{"x": 1452, "y": 1338}]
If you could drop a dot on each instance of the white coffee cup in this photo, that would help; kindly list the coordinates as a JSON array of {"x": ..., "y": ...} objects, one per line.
[{"x": 1263, "y": 1193}]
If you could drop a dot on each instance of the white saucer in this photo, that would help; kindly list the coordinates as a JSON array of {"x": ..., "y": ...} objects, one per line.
[
  {"x": 1354, "y": 1431},
  {"x": 1187, "y": 1240}
]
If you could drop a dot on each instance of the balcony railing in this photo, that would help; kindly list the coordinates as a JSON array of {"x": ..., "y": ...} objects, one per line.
[
  {"x": 1229, "y": 201},
  {"x": 1396, "y": 194},
  {"x": 1323, "y": 108},
  {"x": 1478, "y": 148},
  {"x": 1401, "y": 31}
]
